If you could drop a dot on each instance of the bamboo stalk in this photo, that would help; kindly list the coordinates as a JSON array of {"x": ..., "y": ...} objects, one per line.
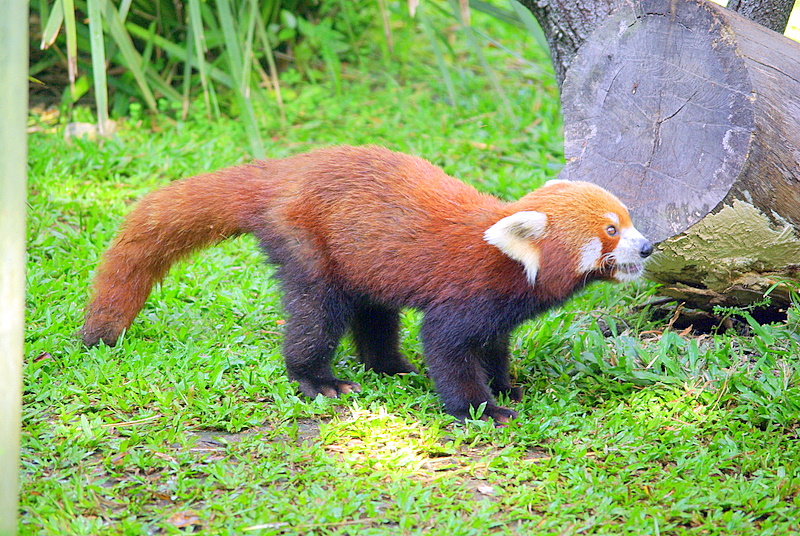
[
  {"x": 13, "y": 157},
  {"x": 98, "y": 65}
]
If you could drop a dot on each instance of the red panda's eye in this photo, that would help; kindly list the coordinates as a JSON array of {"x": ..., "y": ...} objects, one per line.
[{"x": 611, "y": 230}]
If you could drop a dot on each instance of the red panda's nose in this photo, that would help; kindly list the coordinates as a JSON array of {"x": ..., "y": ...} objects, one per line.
[{"x": 647, "y": 249}]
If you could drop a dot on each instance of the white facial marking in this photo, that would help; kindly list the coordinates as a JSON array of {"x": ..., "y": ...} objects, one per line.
[
  {"x": 627, "y": 256},
  {"x": 513, "y": 234},
  {"x": 590, "y": 255},
  {"x": 613, "y": 217}
]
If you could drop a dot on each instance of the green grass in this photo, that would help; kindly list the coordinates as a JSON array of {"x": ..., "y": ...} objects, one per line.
[{"x": 190, "y": 425}]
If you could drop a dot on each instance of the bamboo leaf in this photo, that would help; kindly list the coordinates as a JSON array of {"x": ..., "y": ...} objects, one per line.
[
  {"x": 98, "y": 65},
  {"x": 248, "y": 59},
  {"x": 231, "y": 39},
  {"x": 387, "y": 29},
  {"x": 490, "y": 74},
  {"x": 240, "y": 90},
  {"x": 505, "y": 16},
  {"x": 147, "y": 53},
  {"x": 124, "y": 7},
  {"x": 176, "y": 51},
  {"x": 53, "y": 26},
  {"x": 526, "y": 17},
  {"x": 198, "y": 37},
  {"x": 131, "y": 57},
  {"x": 72, "y": 42},
  {"x": 187, "y": 75},
  {"x": 273, "y": 70}
]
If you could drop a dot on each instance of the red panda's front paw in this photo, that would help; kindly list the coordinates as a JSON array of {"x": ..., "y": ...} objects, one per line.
[
  {"x": 390, "y": 367},
  {"x": 514, "y": 394},
  {"x": 331, "y": 388}
]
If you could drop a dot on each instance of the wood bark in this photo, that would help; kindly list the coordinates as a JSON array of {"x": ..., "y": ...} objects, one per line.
[
  {"x": 773, "y": 14},
  {"x": 568, "y": 24},
  {"x": 689, "y": 112}
]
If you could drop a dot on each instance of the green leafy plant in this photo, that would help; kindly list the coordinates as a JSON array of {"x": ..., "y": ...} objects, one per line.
[
  {"x": 170, "y": 52},
  {"x": 160, "y": 43}
]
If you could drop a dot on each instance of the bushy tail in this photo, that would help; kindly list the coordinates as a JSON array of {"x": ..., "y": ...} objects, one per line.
[{"x": 164, "y": 227}]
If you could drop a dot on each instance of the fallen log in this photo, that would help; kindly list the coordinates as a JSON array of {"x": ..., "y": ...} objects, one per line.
[{"x": 691, "y": 114}]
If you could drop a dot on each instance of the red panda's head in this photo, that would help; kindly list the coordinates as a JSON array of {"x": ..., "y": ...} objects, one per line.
[{"x": 584, "y": 219}]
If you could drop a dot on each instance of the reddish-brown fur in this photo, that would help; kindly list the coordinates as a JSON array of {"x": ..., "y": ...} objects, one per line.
[{"x": 363, "y": 231}]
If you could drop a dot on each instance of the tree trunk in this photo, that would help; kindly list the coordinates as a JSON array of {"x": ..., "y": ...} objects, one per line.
[
  {"x": 774, "y": 14},
  {"x": 689, "y": 112},
  {"x": 568, "y": 24}
]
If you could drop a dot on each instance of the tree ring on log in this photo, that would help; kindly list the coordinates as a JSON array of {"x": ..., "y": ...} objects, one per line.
[{"x": 658, "y": 109}]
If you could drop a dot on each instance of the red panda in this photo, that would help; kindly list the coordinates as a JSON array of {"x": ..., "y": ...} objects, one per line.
[{"x": 357, "y": 233}]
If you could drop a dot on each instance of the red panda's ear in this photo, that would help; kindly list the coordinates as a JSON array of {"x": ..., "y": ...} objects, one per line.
[
  {"x": 525, "y": 224},
  {"x": 513, "y": 234},
  {"x": 556, "y": 181}
]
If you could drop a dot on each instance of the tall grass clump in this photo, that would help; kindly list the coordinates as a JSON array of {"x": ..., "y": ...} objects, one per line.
[{"x": 226, "y": 56}]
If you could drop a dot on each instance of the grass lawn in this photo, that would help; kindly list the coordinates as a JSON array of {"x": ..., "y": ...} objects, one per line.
[{"x": 190, "y": 425}]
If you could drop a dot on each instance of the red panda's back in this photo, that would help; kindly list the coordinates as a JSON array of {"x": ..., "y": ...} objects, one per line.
[{"x": 387, "y": 222}]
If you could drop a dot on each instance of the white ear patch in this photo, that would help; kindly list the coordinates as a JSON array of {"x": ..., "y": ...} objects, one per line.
[{"x": 513, "y": 234}]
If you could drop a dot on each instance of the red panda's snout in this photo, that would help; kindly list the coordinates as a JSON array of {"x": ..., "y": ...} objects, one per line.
[
  {"x": 626, "y": 260},
  {"x": 618, "y": 251}
]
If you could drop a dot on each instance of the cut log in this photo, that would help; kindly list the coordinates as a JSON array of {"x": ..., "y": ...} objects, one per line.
[
  {"x": 566, "y": 25},
  {"x": 690, "y": 113}
]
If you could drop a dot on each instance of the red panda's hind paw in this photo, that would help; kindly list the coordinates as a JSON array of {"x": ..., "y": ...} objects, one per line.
[
  {"x": 331, "y": 388},
  {"x": 499, "y": 414}
]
